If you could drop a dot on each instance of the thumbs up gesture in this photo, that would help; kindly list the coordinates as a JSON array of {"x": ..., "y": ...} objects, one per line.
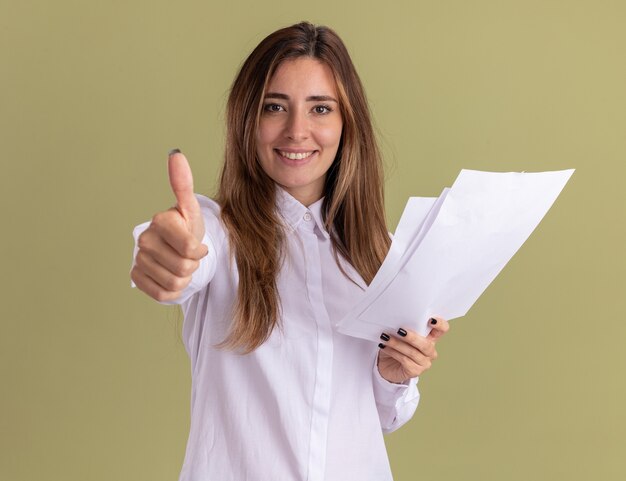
[{"x": 170, "y": 249}]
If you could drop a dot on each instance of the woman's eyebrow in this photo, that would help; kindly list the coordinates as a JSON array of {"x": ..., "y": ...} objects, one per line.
[{"x": 312, "y": 98}]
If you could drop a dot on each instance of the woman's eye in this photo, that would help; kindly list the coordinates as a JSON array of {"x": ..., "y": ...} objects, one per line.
[
  {"x": 272, "y": 107},
  {"x": 322, "y": 109}
]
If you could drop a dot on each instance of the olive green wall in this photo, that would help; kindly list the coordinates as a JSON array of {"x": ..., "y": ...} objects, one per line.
[{"x": 95, "y": 382}]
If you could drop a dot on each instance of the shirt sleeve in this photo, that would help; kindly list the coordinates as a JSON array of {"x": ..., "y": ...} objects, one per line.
[
  {"x": 396, "y": 403},
  {"x": 206, "y": 268}
]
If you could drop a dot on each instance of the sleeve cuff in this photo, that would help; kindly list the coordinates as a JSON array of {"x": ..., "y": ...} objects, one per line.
[
  {"x": 137, "y": 231},
  {"x": 388, "y": 393}
]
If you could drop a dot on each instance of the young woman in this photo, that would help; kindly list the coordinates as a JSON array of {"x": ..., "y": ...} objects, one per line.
[{"x": 262, "y": 273}]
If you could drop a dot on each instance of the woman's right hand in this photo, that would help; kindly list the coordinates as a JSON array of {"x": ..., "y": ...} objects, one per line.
[{"x": 170, "y": 249}]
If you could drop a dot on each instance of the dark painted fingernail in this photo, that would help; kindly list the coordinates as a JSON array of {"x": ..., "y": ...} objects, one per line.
[
  {"x": 173, "y": 151},
  {"x": 402, "y": 332},
  {"x": 384, "y": 337},
  {"x": 433, "y": 320},
  {"x": 381, "y": 345}
]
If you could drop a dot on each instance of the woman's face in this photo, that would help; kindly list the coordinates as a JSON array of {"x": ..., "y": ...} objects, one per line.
[{"x": 300, "y": 127}]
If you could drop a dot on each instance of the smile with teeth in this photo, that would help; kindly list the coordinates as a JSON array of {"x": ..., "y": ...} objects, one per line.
[{"x": 296, "y": 156}]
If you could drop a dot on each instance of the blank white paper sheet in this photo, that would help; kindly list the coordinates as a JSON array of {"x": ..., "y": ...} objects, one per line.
[{"x": 446, "y": 251}]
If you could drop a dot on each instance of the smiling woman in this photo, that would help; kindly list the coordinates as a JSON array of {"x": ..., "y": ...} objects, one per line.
[
  {"x": 297, "y": 91},
  {"x": 264, "y": 272}
]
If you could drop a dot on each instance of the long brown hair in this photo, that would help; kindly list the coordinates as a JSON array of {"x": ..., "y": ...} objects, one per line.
[{"x": 353, "y": 206}]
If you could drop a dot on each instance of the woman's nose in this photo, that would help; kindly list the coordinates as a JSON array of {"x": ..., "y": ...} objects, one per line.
[{"x": 297, "y": 127}]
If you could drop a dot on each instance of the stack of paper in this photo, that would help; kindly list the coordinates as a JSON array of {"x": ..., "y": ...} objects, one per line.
[{"x": 446, "y": 251}]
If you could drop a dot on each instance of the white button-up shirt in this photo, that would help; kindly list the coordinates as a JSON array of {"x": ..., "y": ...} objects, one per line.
[{"x": 309, "y": 403}]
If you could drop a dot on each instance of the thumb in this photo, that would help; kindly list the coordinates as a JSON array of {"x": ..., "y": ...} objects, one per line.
[{"x": 181, "y": 181}]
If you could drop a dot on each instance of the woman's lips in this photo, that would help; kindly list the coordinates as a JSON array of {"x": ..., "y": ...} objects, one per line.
[
  {"x": 295, "y": 154},
  {"x": 295, "y": 158}
]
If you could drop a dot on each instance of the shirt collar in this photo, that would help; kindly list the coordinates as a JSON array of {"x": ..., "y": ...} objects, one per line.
[{"x": 294, "y": 213}]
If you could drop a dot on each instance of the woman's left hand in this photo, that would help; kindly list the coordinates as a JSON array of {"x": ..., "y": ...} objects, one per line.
[{"x": 409, "y": 355}]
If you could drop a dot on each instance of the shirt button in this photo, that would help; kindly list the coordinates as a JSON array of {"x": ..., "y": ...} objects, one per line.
[{"x": 307, "y": 217}]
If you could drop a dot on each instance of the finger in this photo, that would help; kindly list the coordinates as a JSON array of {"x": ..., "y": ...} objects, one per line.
[
  {"x": 171, "y": 227},
  {"x": 425, "y": 345},
  {"x": 409, "y": 366},
  {"x": 147, "y": 285},
  {"x": 152, "y": 243},
  {"x": 439, "y": 326},
  {"x": 181, "y": 181},
  {"x": 159, "y": 274},
  {"x": 410, "y": 351}
]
